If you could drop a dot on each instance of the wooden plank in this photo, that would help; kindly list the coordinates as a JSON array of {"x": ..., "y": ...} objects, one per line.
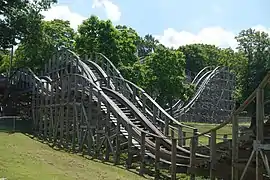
[
  {"x": 90, "y": 122},
  {"x": 107, "y": 130},
  {"x": 180, "y": 136},
  {"x": 129, "y": 159},
  {"x": 193, "y": 148},
  {"x": 117, "y": 150},
  {"x": 173, "y": 160},
  {"x": 142, "y": 154},
  {"x": 235, "y": 174},
  {"x": 259, "y": 130},
  {"x": 213, "y": 155},
  {"x": 166, "y": 129},
  {"x": 157, "y": 159}
]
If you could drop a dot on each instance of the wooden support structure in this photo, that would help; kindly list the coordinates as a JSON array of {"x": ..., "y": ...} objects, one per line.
[
  {"x": 173, "y": 159},
  {"x": 193, "y": 148},
  {"x": 157, "y": 159},
  {"x": 74, "y": 112},
  {"x": 234, "y": 147},
  {"x": 142, "y": 163},
  {"x": 259, "y": 130},
  {"x": 213, "y": 155}
]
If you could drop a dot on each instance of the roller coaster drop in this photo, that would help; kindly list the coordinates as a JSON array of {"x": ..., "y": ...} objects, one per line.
[{"x": 87, "y": 106}]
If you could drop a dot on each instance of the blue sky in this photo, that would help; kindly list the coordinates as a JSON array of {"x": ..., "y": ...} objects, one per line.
[{"x": 173, "y": 22}]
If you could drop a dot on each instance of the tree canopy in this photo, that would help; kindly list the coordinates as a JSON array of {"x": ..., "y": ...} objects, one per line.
[{"x": 20, "y": 18}]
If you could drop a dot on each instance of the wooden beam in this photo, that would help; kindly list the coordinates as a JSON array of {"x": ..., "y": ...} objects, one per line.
[
  {"x": 234, "y": 147},
  {"x": 213, "y": 158},
  {"x": 173, "y": 159},
  {"x": 259, "y": 128}
]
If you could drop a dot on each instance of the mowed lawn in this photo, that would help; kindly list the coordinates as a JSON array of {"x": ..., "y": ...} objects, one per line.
[
  {"x": 203, "y": 127},
  {"x": 22, "y": 158}
]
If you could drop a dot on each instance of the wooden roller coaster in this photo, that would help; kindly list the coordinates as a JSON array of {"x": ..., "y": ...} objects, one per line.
[{"x": 86, "y": 106}]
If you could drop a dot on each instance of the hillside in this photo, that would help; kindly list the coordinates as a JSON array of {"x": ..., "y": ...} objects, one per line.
[{"x": 23, "y": 158}]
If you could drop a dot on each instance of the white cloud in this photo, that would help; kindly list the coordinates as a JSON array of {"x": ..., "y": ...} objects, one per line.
[
  {"x": 210, "y": 35},
  {"x": 262, "y": 28},
  {"x": 112, "y": 10},
  {"x": 63, "y": 12}
]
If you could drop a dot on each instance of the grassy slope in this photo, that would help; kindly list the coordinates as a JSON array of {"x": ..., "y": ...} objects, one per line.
[{"x": 25, "y": 159}]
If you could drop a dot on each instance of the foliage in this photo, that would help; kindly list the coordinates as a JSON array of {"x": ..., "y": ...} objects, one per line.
[
  {"x": 147, "y": 45},
  {"x": 36, "y": 49},
  {"x": 96, "y": 35},
  {"x": 20, "y": 18},
  {"x": 4, "y": 61},
  {"x": 166, "y": 75},
  {"x": 255, "y": 46}
]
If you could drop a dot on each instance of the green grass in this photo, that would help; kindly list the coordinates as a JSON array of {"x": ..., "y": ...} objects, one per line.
[
  {"x": 203, "y": 127},
  {"x": 22, "y": 158}
]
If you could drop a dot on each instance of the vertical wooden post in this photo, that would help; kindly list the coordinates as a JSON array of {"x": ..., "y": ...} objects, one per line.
[
  {"x": 98, "y": 124},
  {"x": 51, "y": 115},
  {"x": 235, "y": 174},
  {"x": 172, "y": 133},
  {"x": 47, "y": 112},
  {"x": 67, "y": 99},
  {"x": 33, "y": 105},
  {"x": 157, "y": 159},
  {"x": 74, "y": 114},
  {"x": 129, "y": 160},
  {"x": 90, "y": 121},
  {"x": 142, "y": 164},
  {"x": 180, "y": 136},
  {"x": 259, "y": 126},
  {"x": 144, "y": 102},
  {"x": 41, "y": 110},
  {"x": 108, "y": 81},
  {"x": 107, "y": 136},
  {"x": 209, "y": 141},
  {"x": 173, "y": 159},
  {"x": 225, "y": 138},
  {"x": 117, "y": 151},
  {"x": 184, "y": 140},
  {"x": 213, "y": 154},
  {"x": 193, "y": 148},
  {"x": 61, "y": 113},
  {"x": 154, "y": 114},
  {"x": 82, "y": 117},
  {"x": 166, "y": 129}
]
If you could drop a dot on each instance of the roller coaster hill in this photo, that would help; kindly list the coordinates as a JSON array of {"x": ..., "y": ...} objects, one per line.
[{"x": 84, "y": 105}]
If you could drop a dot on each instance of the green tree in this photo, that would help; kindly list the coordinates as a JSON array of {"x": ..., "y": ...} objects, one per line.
[
  {"x": 4, "y": 60},
  {"x": 199, "y": 56},
  {"x": 128, "y": 40},
  {"x": 19, "y": 19},
  {"x": 37, "y": 49},
  {"x": 237, "y": 63},
  {"x": 147, "y": 45},
  {"x": 255, "y": 45},
  {"x": 166, "y": 75},
  {"x": 96, "y": 35}
]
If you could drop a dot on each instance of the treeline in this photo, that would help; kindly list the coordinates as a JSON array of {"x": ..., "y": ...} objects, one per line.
[{"x": 142, "y": 60}]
